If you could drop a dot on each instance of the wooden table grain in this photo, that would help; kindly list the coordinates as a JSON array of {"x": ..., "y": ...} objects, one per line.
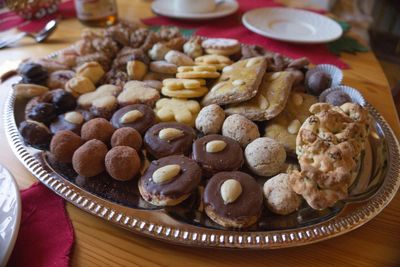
[{"x": 99, "y": 243}]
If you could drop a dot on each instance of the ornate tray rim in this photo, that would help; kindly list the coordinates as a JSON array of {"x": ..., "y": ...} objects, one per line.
[{"x": 190, "y": 235}]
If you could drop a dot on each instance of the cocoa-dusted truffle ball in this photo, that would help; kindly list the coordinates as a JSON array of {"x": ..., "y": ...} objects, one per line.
[
  {"x": 122, "y": 163},
  {"x": 99, "y": 128},
  {"x": 63, "y": 145},
  {"x": 127, "y": 136},
  {"x": 88, "y": 159}
]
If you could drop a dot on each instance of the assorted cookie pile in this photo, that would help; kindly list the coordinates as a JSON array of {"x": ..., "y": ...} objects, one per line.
[{"x": 180, "y": 114}]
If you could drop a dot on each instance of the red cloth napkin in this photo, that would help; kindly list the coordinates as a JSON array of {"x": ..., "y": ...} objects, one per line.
[
  {"x": 232, "y": 27},
  {"x": 9, "y": 19},
  {"x": 45, "y": 235}
]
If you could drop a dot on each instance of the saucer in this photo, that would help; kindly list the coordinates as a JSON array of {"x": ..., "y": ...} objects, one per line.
[
  {"x": 10, "y": 214},
  {"x": 292, "y": 25},
  {"x": 224, "y": 8}
]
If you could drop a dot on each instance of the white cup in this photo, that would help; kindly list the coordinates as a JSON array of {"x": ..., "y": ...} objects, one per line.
[{"x": 194, "y": 6}]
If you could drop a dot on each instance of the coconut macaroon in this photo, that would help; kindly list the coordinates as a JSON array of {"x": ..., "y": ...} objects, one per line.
[
  {"x": 279, "y": 196},
  {"x": 170, "y": 180},
  {"x": 233, "y": 199}
]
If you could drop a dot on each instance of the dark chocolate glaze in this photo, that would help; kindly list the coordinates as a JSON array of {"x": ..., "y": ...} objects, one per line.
[
  {"x": 61, "y": 124},
  {"x": 159, "y": 148},
  {"x": 142, "y": 124},
  {"x": 184, "y": 183},
  {"x": 35, "y": 134},
  {"x": 229, "y": 159},
  {"x": 247, "y": 205}
]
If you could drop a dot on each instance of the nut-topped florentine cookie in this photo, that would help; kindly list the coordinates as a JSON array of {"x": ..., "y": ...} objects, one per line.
[
  {"x": 137, "y": 92},
  {"x": 329, "y": 145},
  {"x": 233, "y": 199},
  {"x": 238, "y": 82},
  {"x": 179, "y": 110},
  {"x": 184, "y": 88},
  {"x": 169, "y": 138},
  {"x": 215, "y": 153},
  {"x": 269, "y": 101},
  {"x": 286, "y": 125},
  {"x": 138, "y": 116},
  {"x": 170, "y": 180}
]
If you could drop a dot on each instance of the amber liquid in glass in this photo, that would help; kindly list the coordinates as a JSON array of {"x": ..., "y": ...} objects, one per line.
[{"x": 97, "y": 13}]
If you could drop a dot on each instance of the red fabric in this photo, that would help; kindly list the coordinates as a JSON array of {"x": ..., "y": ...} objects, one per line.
[
  {"x": 46, "y": 235},
  {"x": 9, "y": 19},
  {"x": 232, "y": 27}
]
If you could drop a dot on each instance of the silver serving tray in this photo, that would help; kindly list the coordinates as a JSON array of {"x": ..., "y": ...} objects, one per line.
[{"x": 375, "y": 186}]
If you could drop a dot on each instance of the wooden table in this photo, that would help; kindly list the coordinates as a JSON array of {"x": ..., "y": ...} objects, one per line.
[{"x": 99, "y": 243}]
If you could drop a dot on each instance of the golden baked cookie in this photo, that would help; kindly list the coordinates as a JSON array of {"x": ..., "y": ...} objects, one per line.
[
  {"x": 136, "y": 92},
  {"x": 238, "y": 82},
  {"x": 269, "y": 101},
  {"x": 179, "y": 110},
  {"x": 197, "y": 72},
  {"x": 79, "y": 85},
  {"x": 285, "y": 126},
  {"x": 184, "y": 88},
  {"x": 218, "y": 61},
  {"x": 91, "y": 70}
]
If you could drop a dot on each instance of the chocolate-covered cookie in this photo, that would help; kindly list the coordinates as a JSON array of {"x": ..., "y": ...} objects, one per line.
[
  {"x": 71, "y": 121},
  {"x": 169, "y": 138},
  {"x": 138, "y": 116},
  {"x": 35, "y": 134},
  {"x": 170, "y": 180},
  {"x": 215, "y": 153},
  {"x": 33, "y": 73},
  {"x": 233, "y": 199}
]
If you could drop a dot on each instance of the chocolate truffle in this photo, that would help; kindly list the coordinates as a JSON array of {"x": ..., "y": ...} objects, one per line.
[
  {"x": 63, "y": 145},
  {"x": 337, "y": 98},
  {"x": 98, "y": 128},
  {"x": 318, "y": 82},
  {"x": 88, "y": 159},
  {"x": 233, "y": 199},
  {"x": 170, "y": 180},
  {"x": 122, "y": 163},
  {"x": 127, "y": 136},
  {"x": 138, "y": 116},
  {"x": 215, "y": 153},
  {"x": 169, "y": 138},
  {"x": 71, "y": 121},
  {"x": 35, "y": 134}
]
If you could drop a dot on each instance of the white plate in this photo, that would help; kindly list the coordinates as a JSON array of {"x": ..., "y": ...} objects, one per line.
[
  {"x": 292, "y": 25},
  {"x": 166, "y": 8},
  {"x": 10, "y": 214}
]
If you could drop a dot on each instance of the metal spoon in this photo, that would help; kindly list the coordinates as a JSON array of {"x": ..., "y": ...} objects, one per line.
[{"x": 39, "y": 37}]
